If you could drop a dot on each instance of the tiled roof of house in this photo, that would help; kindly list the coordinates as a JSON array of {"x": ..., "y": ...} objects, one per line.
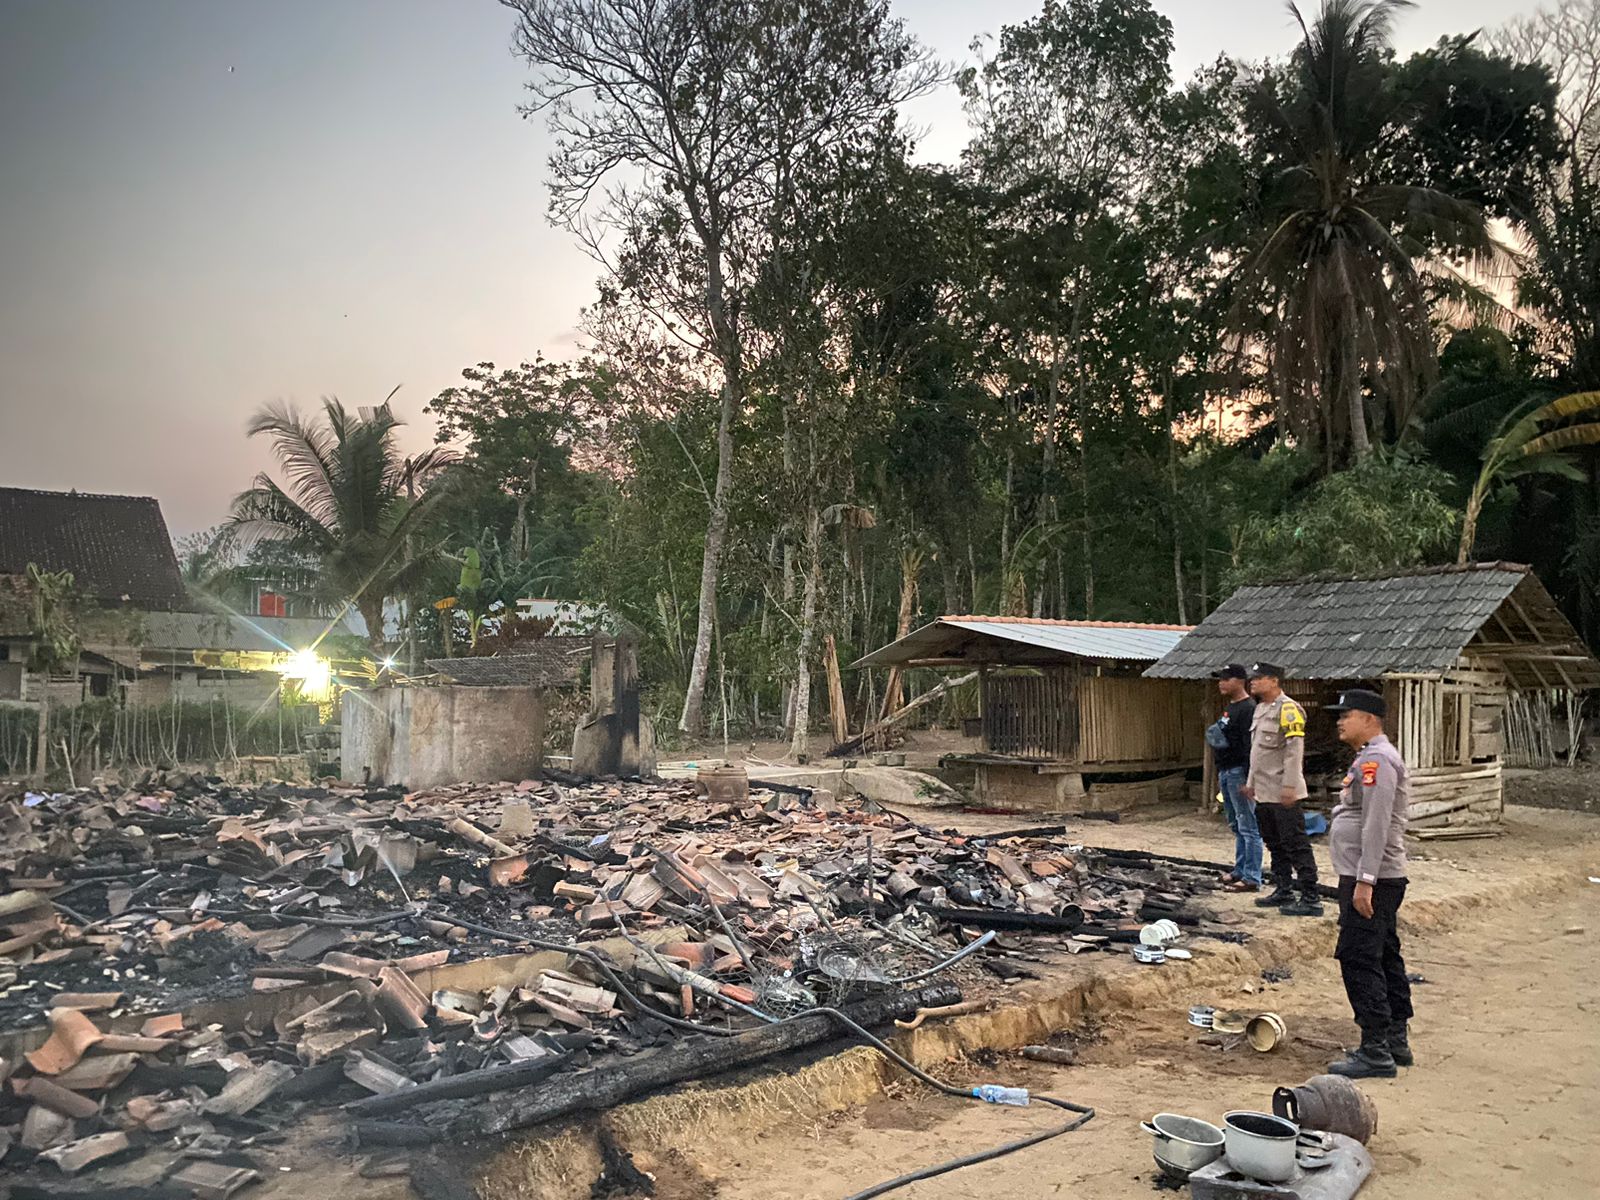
[
  {"x": 1355, "y": 629},
  {"x": 117, "y": 547}
]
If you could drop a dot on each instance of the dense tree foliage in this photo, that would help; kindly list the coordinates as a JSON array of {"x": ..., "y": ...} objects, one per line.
[{"x": 1148, "y": 339}]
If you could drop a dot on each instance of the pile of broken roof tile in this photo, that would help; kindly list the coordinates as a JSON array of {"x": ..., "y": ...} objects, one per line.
[{"x": 185, "y": 962}]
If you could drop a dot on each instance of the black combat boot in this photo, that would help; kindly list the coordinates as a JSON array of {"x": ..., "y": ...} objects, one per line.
[
  {"x": 1309, "y": 905},
  {"x": 1281, "y": 893},
  {"x": 1400, "y": 1045},
  {"x": 1371, "y": 1061}
]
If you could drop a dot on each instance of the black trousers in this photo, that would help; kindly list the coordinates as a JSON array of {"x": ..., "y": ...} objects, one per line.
[
  {"x": 1369, "y": 958},
  {"x": 1283, "y": 829}
]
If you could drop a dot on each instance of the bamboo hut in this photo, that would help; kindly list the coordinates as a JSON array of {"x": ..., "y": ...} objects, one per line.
[
  {"x": 1450, "y": 648},
  {"x": 1068, "y": 723}
]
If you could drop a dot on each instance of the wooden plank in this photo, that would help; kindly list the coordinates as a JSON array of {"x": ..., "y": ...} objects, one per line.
[
  {"x": 1487, "y": 745},
  {"x": 466, "y": 1083},
  {"x": 1454, "y": 774},
  {"x": 927, "y": 697},
  {"x": 836, "y": 706},
  {"x": 1484, "y": 787},
  {"x": 1434, "y": 808},
  {"x": 1453, "y": 820}
]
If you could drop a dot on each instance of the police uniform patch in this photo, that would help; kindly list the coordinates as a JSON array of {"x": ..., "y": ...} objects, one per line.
[
  {"x": 1369, "y": 774},
  {"x": 1292, "y": 720}
]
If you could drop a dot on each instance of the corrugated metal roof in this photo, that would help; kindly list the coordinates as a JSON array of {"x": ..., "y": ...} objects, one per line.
[
  {"x": 1349, "y": 629},
  {"x": 156, "y": 632},
  {"x": 964, "y": 638}
]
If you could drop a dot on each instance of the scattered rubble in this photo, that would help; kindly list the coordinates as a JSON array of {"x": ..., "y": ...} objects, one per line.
[{"x": 185, "y": 963}]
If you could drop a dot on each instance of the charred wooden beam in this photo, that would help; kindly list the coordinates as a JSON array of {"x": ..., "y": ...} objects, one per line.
[
  {"x": 1069, "y": 921},
  {"x": 467, "y": 1083},
  {"x": 606, "y": 1086}
]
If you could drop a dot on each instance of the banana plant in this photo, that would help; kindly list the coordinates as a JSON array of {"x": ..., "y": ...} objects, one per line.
[
  {"x": 470, "y": 590},
  {"x": 1522, "y": 445}
]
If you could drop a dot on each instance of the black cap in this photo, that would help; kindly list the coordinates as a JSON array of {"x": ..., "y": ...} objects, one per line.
[
  {"x": 1263, "y": 670},
  {"x": 1231, "y": 671},
  {"x": 1361, "y": 700}
]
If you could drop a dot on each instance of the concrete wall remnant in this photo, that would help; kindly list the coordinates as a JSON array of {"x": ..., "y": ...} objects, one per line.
[{"x": 426, "y": 736}]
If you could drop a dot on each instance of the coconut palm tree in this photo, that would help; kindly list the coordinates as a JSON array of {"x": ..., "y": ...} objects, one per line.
[
  {"x": 1336, "y": 297},
  {"x": 351, "y": 503}
]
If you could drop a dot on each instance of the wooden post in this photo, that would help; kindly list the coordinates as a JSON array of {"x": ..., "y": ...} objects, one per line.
[
  {"x": 836, "y": 709},
  {"x": 910, "y": 566}
]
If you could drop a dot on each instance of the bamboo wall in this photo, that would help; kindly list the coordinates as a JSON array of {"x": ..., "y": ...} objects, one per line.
[
  {"x": 1061, "y": 715},
  {"x": 1453, "y": 719},
  {"x": 1031, "y": 715},
  {"x": 1123, "y": 720},
  {"x": 1450, "y": 729}
]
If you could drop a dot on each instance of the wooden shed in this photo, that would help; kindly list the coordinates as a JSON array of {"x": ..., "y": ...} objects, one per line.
[
  {"x": 1449, "y": 647},
  {"x": 1062, "y": 700}
]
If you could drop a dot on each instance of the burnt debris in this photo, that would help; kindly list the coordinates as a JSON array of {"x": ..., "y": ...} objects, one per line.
[{"x": 185, "y": 963}]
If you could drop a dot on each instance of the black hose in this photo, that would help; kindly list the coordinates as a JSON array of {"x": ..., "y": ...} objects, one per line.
[
  {"x": 905, "y": 1064},
  {"x": 955, "y": 1164},
  {"x": 1085, "y": 1114}
]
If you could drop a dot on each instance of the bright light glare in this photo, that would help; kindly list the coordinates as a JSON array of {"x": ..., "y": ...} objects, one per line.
[
  {"x": 388, "y": 663},
  {"x": 313, "y": 671}
]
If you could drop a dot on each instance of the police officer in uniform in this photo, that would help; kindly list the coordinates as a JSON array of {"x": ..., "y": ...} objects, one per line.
[
  {"x": 1277, "y": 783},
  {"x": 1367, "y": 842}
]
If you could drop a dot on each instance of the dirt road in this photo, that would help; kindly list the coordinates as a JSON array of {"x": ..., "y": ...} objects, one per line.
[{"x": 1502, "y": 1101}]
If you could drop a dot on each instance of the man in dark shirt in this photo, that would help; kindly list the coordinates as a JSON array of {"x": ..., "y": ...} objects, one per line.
[{"x": 1230, "y": 742}]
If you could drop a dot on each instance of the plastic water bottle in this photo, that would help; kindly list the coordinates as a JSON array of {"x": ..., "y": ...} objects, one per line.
[{"x": 993, "y": 1093}]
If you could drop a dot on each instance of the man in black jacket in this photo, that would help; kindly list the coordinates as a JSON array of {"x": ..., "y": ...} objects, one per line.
[{"x": 1230, "y": 741}]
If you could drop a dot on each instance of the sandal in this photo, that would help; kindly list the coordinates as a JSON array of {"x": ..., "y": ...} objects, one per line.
[
  {"x": 1239, "y": 885},
  {"x": 1230, "y": 877}
]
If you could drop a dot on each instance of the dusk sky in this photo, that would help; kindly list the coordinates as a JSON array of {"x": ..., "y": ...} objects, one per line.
[{"x": 208, "y": 204}]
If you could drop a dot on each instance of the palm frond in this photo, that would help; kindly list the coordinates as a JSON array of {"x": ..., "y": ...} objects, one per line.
[
  {"x": 1456, "y": 225},
  {"x": 266, "y": 510},
  {"x": 1469, "y": 410},
  {"x": 1353, "y": 266},
  {"x": 420, "y": 471},
  {"x": 411, "y": 574},
  {"x": 306, "y": 453},
  {"x": 352, "y": 504}
]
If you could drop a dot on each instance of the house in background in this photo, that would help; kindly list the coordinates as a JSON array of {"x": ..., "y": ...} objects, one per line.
[
  {"x": 1460, "y": 653},
  {"x": 121, "y": 559},
  {"x": 145, "y": 638},
  {"x": 573, "y": 618},
  {"x": 1068, "y": 721}
]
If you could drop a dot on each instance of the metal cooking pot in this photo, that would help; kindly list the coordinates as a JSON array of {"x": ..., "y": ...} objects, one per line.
[
  {"x": 1260, "y": 1145},
  {"x": 1183, "y": 1144}
]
